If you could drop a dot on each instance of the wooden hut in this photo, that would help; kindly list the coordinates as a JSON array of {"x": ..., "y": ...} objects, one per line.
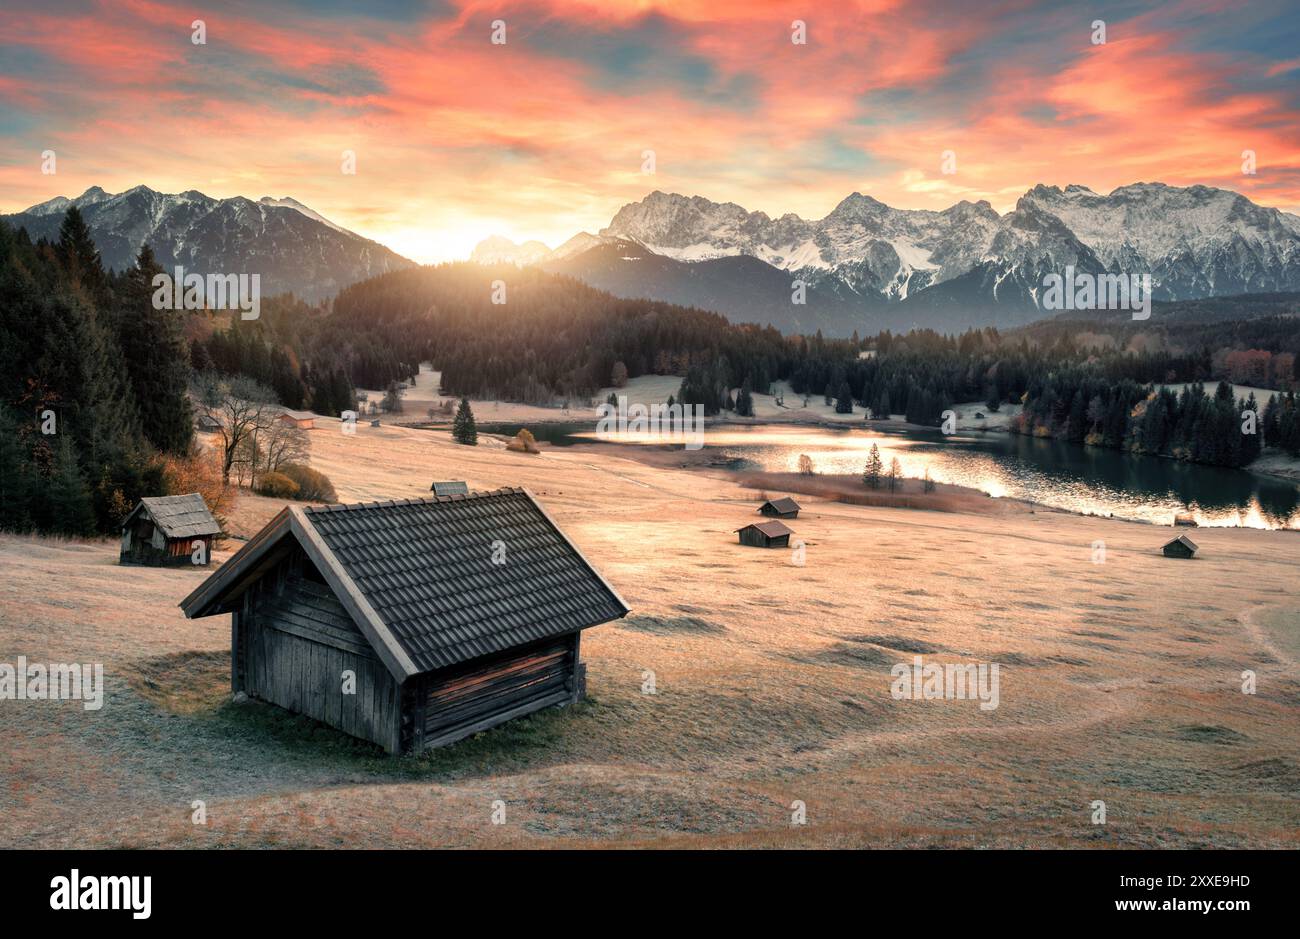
[
  {"x": 454, "y": 614},
  {"x": 165, "y": 530},
  {"x": 1180, "y": 547},
  {"x": 780, "y": 508},
  {"x": 207, "y": 424},
  {"x": 450, "y": 488},
  {"x": 765, "y": 535},
  {"x": 304, "y": 419}
]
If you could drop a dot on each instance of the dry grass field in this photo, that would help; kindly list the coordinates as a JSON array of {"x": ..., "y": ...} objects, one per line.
[{"x": 1119, "y": 682}]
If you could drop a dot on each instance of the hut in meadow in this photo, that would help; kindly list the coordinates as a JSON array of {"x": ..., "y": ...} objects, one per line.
[
  {"x": 207, "y": 424},
  {"x": 1180, "y": 547},
  {"x": 304, "y": 419},
  {"x": 784, "y": 507},
  {"x": 455, "y": 487},
  {"x": 765, "y": 535},
  {"x": 452, "y": 614},
  {"x": 169, "y": 530}
]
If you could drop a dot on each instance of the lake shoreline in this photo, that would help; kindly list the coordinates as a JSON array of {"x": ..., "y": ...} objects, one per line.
[{"x": 967, "y": 492}]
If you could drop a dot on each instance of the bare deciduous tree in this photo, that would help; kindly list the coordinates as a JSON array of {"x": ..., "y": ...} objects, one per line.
[{"x": 242, "y": 408}]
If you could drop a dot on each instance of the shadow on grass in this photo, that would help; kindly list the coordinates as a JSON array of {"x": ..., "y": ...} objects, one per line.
[{"x": 196, "y": 685}]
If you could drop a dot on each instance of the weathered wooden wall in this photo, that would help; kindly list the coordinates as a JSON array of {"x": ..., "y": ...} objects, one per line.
[
  {"x": 453, "y": 703},
  {"x": 756, "y": 539},
  {"x": 175, "y": 553},
  {"x": 292, "y": 643}
]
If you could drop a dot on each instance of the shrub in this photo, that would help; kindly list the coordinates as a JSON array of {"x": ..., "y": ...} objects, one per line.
[
  {"x": 523, "y": 442},
  {"x": 199, "y": 472},
  {"x": 278, "y": 486},
  {"x": 313, "y": 485}
]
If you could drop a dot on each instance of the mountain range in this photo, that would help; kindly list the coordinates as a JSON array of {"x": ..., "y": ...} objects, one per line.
[
  {"x": 867, "y": 266},
  {"x": 292, "y": 247}
]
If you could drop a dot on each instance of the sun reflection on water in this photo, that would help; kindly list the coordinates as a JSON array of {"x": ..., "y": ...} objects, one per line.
[{"x": 1079, "y": 479}]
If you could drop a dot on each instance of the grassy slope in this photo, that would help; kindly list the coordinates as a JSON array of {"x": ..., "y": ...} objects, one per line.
[{"x": 1120, "y": 682}]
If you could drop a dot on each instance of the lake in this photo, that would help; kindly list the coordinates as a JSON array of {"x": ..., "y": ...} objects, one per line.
[{"x": 1049, "y": 472}]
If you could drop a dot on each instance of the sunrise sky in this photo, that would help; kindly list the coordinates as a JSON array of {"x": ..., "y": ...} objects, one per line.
[{"x": 457, "y": 138}]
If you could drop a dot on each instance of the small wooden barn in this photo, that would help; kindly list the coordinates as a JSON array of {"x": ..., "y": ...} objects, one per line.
[
  {"x": 304, "y": 419},
  {"x": 450, "y": 488},
  {"x": 765, "y": 535},
  {"x": 165, "y": 530},
  {"x": 780, "y": 508},
  {"x": 207, "y": 424},
  {"x": 1180, "y": 547},
  {"x": 453, "y": 614}
]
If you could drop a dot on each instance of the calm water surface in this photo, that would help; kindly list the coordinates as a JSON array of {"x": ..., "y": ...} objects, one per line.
[{"x": 1050, "y": 472}]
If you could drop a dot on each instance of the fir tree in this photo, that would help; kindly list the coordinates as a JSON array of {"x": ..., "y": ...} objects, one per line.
[
  {"x": 745, "y": 399},
  {"x": 875, "y": 466},
  {"x": 156, "y": 358},
  {"x": 72, "y": 511},
  {"x": 17, "y": 481},
  {"x": 844, "y": 400},
  {"x": 463, "y": 429}
]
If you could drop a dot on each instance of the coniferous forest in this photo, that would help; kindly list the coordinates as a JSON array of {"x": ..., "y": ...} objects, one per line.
[{"x": 95, "y": 380}]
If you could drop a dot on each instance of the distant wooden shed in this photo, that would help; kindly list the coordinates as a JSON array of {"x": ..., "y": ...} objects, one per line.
[
  {"x": 765, "y": 535},
  {"x": 455, "y": 487},
  {"x": 166, "y": 530},
  {"x": 1180, "y": 547},
  {"x": 304, "y": 419},
  {"x": 780, "y": 508},
  {"x": 207, "y": 424},
  {"x": 445, "y": 636}
]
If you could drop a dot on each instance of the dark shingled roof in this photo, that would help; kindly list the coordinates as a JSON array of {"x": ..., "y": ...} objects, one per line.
[
  {"x": 426, "y": 568},
  {"x": 773, "y": 529},
  {"x": 417, "y": 576},
  {"x": 784, "y": 504},
  {"x": 178, "y": 516}
]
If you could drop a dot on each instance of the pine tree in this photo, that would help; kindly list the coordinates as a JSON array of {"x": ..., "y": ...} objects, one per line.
[
  {"x": 745, "y": 399},
  {"x": 875, "y": 466},
  {"x": 844, "y": 400},
  {"x": 72, "y": 511},
  {"x": 156, "y": 358},
  {"x": 17, "y": 481},
  {"x": 463, "y": 429},
  {"x": 80, "y": 258}
]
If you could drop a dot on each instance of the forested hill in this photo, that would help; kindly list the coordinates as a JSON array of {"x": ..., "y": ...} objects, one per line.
[{"x": 551, "y": 337}]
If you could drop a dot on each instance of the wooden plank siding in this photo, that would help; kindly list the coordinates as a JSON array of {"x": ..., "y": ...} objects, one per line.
[
  {"x": 442, "y": 642},
  {"x": 293, "y": 643},
  {"x": 455, "y": 702}
]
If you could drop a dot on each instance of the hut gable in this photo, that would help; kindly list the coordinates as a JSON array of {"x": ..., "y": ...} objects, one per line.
[
  {"x": 784, "y": 507},
  {"x": 765, "y": 535},
  {"x": 1180, "y": 547},
  {"x": 456, "y": 487},
  {"x": 303, "y": 419},
  {"x": 472, "y": 603},
  {"x": 161, "y": 530}
]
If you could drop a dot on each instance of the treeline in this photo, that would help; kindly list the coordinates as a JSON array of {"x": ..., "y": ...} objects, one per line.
[
  {"x": 1191, "y": 425},
  {"x": 92, "y": 384},
  {"x": 1111, "y": 399},
  {"x": 553, "y": 338},
  {"x": 282, "y": 351}
]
